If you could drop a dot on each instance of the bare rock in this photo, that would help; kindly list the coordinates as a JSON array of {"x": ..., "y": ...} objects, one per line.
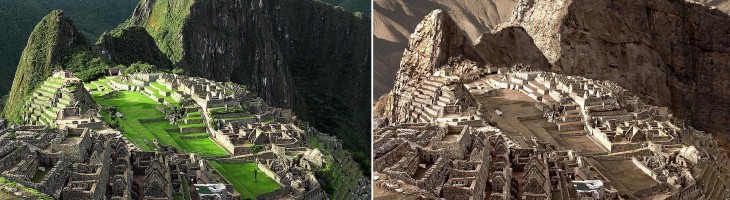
[{"x": 670, "y": 53}]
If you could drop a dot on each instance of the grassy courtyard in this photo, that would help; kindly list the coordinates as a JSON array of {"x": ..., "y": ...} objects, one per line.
[
  {"x": 135, "y": 105},
  {"x": 242, "y": 178}
]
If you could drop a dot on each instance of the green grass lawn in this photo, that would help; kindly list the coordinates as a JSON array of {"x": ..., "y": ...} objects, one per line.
[
  {"x": 183, "y": 125},
  {"x": 135, "y": 105},
  {"x": 197, "y": 117},
  {"x": 155, "y": 92},
  {"x": 203, "y": 146},
  {"x": 241, "y": 176},
  {"x": 160, "y": 87},
  {"x": 158, "y": 90},
  {"x": 267, "y": 121},
  {"x": 39, "y": 175},
  {"x": 194, "y": 114}
]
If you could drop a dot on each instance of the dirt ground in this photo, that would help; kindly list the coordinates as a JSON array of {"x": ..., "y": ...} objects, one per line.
[
  {"x": 627, "y": 174},
  {"x": 516, "y": 104}
]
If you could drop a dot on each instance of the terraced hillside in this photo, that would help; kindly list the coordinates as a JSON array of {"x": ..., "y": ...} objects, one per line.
[
  {"x": 54, "y": 94},
  {"x": 143, "y": 123}
]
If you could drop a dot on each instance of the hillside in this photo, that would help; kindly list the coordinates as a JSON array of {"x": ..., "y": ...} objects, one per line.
[
  {"x": 316, "y": 62},
  {"x": 20, "y": 17},
  {"x": 352, "y": 5},
  {"x": 54, "y": 35},
  {"x": 394, "y": 22}
]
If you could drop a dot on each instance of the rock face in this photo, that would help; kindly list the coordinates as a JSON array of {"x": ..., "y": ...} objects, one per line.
[
  {"x": 510, "y": 46},
  {"x": 437, "y": 45},
  {"x": 394, "y": 21},
  {"x": 671, "y": 53},
  {"x": 435, "y": 40},
  {"x": 54, "y": 35},
  {"x": 131, "y": 45},
  {"x": 304, "y": 55}
]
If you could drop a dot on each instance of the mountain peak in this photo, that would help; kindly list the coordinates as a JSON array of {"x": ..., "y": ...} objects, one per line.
[
  {"x": 52, "y": 36},
  {"x": 435, "y": 40}
]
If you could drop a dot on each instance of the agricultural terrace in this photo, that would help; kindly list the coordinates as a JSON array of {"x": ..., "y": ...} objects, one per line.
[
  {"x": 135, "y": 106},
  {"x": 242, "y": 177}
]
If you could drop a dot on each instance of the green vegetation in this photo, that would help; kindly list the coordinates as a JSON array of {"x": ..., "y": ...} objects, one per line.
[
  {"x": 139, "y": 67},
  {"x": 36, "y": 62},
  {"x": 330, "y": 114},
  {"x": 85, "y": 64},
  {"x": 133, "y": 45},
  {"x": 135, "y": 105},
  {"x": 255, "y": 149},
  {"x": 36, "y": 194},
  {"x": 39, "y": 175},
  {"x": 242, "y": 178},
  {"x": 165, "y": 24},
  {"x": 185, "y": 191},
  {"x": 225, "y": 110},
  {"x": 198, "y": 125},
  {"x": 19, "y": 18},
  {"x": 203, "y": 146}
]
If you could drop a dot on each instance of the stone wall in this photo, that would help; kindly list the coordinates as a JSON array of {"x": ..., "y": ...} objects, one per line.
[
  {"x": 689, "y": 192},
  {"x": 276, "y": 194},
  {"x": 14, "y": 157},
  {"x": 269, "y": 173},
  {"x": 616, "y": 147},
  {"x": 654, "y": 189},
  {"x": 391, "y": 157},
  {"x": 192, "y": 129}
]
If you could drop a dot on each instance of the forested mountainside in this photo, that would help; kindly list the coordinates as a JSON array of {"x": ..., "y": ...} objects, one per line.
[
  {"x": 92, "y": 17},
  {"x": 55, "y": 43}
]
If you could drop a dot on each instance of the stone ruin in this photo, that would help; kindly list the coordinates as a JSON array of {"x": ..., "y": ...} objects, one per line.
[
  {"x": 72, "y": 154},
  {"x": 418, "y": 153}
]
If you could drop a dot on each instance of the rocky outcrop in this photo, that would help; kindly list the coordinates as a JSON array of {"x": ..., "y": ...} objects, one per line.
[
  {"x": 395, "y": 20},
  {"x": 54, "y": 35},
  {"x": 438, "y": 45},
  {"x": 435, "y": 40},
  {"x": 670, "y": 53},
  {"x": 131, "y": 45},
  {"x": 510, "y": 46}
]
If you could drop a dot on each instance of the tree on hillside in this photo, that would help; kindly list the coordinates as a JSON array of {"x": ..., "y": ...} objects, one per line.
[{"x": 255, "y": 149}]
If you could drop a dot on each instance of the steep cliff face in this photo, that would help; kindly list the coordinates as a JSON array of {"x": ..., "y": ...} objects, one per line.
[
  {"x": 52, "y": 37},
  {"x": 671, "y": 53},
  {"x": 296, "y": 54},
  {"x": 438, "y": 45},
  {"x": 435, "y": 40},
  {"x": 133, "y": 44},
  {"x": 395, "y": 20},
  {"x": 510, "y": 46}
]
